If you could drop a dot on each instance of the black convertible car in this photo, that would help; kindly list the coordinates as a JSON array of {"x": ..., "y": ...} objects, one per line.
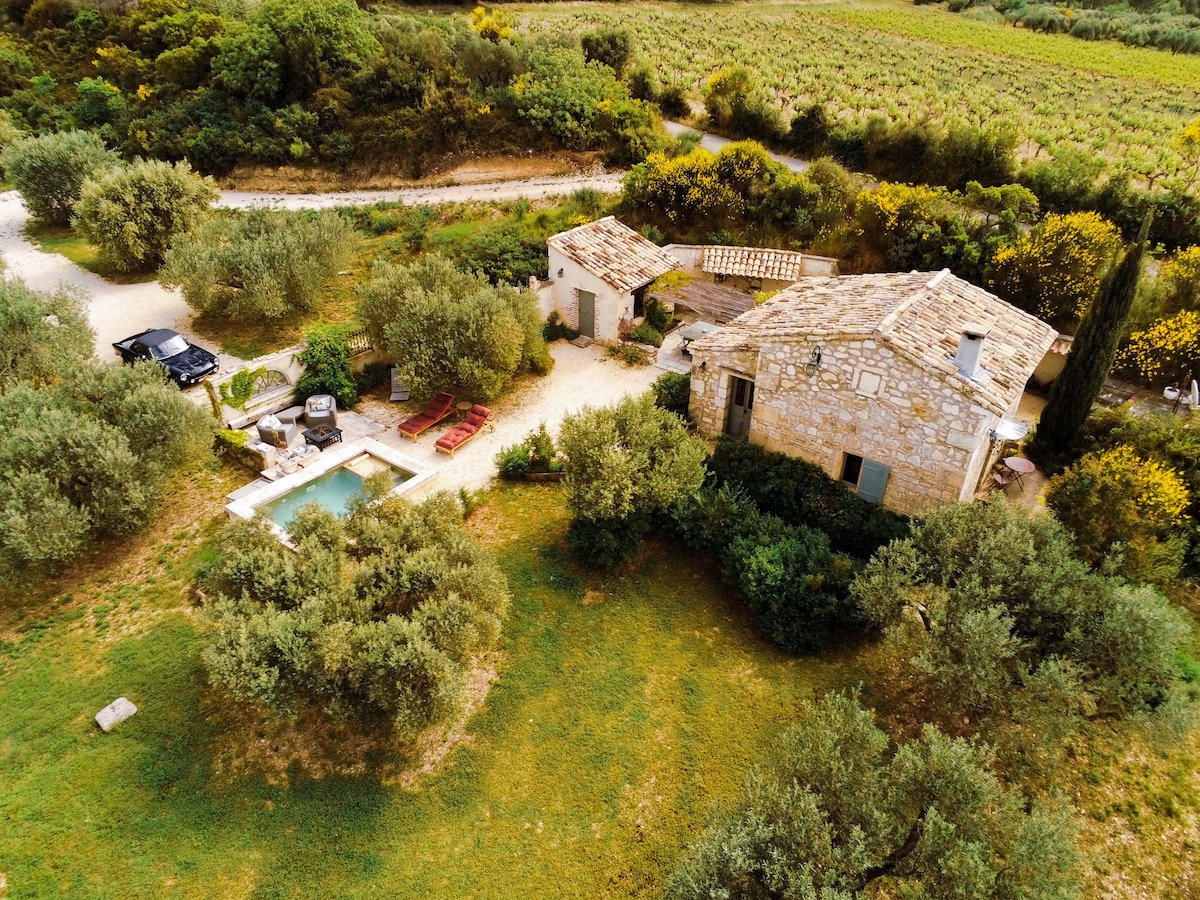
[{"x": 184, "y": 361}]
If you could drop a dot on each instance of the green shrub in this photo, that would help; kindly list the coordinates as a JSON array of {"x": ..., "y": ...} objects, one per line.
[
  {"x": 646, "y": 333},
  {"x": 372, "y": 375},
  {"x": 658, "y": 315},
  {"x": 630, "y": 354},
  {"x": 514, "y": 461},
  {"x": 796, "y": 587},
  {"x": 801, "y": 493},
  {"x": 536, "y": 453},
  {"x": 237, "y": 391},
  {"x": 556, "y": 329},
  {"x": 326, "y": 362},
  {"x": 673, "y": 392}
]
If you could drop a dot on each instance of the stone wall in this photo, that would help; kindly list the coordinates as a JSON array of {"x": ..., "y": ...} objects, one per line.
[
  {"x": 283, "y": 362},
  {"x": 863, "y": 399},
  {"x": 610, "y": 305}
]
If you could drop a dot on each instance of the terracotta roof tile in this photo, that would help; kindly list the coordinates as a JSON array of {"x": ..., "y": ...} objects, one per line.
[
  {"x": 753, "y": 262},
  {"x": 920, "y": 315},
  {"x": 615, "y": 253}
]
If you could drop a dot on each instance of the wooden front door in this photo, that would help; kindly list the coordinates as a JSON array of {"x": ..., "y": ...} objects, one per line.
[
  {"x": 741, "y": 406},
  {"x": 587, "y": 314}
]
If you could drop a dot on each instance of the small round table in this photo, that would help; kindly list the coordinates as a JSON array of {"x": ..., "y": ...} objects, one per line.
[{"x": 1020, "y": 466}]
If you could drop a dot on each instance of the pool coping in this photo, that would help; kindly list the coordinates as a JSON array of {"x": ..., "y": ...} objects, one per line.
[{"x": 423, "y": 477}]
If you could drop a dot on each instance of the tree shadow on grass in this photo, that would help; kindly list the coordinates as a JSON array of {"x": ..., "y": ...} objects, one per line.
[{"x": 177, "y": 794}]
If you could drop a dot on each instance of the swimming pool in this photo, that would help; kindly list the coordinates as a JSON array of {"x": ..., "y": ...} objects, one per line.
[
  {"x": 330, "y": 481},
  {"x": 334, "y": 489}
]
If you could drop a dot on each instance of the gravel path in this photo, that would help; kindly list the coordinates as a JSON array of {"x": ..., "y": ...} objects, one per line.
[
  {"x": 530, "y": 188},
  {"x": 582, "y": 376},
  {"x": 114, "y": 310}
]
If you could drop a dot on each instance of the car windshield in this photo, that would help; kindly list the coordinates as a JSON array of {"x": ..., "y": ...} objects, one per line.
[{"x": 168, "y": 348}]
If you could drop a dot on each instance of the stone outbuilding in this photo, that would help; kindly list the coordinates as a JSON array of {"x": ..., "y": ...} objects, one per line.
[
  {"x": 750, "y": 269},
  {"x": 892, "y": 383},
  {"x": 599, "y": 273}
]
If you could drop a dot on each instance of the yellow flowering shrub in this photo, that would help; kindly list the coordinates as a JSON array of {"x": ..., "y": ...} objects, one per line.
[
  {"x": 1164, "y": 350},
  {"x": 1179, "y": 281},
  {"x": 492, "y": 24},
  {"x": 1120, "y": 505},
  {"x": 684, "y": 188},
  {"x": 1055, "y": 269},
  {"x": 889, "y": 212}
]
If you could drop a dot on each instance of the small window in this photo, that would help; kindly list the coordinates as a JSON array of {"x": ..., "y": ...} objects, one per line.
[
  {"x": 867, "y": 477},
  {"x": 851, "y": 469},
  {"x": 719, "y": 278}
]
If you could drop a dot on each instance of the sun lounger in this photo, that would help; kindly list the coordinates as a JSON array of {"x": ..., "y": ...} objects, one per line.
[
  {"x": 464, "y": 431},
  {"x": 439, "y": 407}
]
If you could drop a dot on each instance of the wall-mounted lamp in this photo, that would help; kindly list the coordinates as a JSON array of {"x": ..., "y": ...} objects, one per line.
[
  {"x": 704, "y": 365},
  {"x": 814, "y": 362},
  {"x": 1009, "y": 429},
  {"x": 560, "y": 273}
]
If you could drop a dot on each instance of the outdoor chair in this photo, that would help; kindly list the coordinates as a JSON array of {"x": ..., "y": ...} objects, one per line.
[
  {"x": 320, "y": 409},
  {"x": 439, "y": 407},
  {"x": 277, "y": 433},
  {"x": 464, "y": 431}
]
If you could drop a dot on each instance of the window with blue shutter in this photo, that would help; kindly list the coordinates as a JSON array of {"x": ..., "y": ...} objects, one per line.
[{"x": 872, "y": 480}]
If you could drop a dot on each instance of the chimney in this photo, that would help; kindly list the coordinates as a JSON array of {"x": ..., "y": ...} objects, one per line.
[{"x": 970, "y": 347}]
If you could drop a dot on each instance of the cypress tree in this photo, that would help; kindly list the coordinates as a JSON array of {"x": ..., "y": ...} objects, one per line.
[{"x": 1092, "y": 355}]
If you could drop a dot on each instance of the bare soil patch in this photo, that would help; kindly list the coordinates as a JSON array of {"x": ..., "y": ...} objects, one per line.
[{"x": 458, "y": 170}]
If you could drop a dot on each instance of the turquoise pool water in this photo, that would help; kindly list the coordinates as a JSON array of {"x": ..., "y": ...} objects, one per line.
[{"x": 331, "y": 490}]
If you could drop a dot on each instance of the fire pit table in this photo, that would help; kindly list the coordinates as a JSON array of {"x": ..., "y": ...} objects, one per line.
[{"x": 323, "y": 435}]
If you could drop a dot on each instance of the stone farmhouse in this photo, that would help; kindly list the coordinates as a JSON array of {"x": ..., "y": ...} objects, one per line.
[
  {"x": 599, "y": 273},
  {"x": 892, "y": 383}
]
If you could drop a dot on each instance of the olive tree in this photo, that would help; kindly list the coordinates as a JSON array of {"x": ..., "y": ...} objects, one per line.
[
  {"x": 376, "y": 618},
  {"x": 50, "y": 170},
  {"x": 838, "y": 812},
  {"x": 448, "y": 330},
  {"x": 989, "y": 609},
  {"x": 133, "y": 213},
  {"x": 624, "y": 464},
  {"x": 44, "y": 337},
  {"x": 260, "y": 264},
  {"x": 88, "y": 460}
]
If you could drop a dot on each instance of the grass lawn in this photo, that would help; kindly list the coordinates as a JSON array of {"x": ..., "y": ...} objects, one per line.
[{"x": 624, "y": 709}]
